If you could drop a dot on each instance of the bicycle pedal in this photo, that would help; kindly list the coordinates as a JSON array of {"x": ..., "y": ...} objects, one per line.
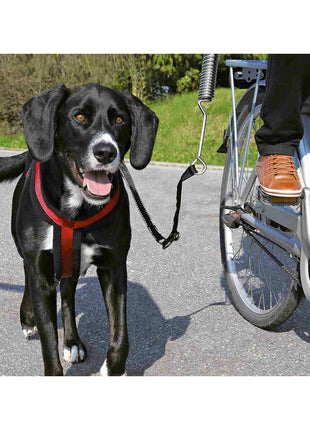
[
  {"x": 275, "y": 200},
  {"x": 231, "y": 220}
]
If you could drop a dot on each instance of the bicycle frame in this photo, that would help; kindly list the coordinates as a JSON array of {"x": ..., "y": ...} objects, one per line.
[{"x": 295, "y": 219}]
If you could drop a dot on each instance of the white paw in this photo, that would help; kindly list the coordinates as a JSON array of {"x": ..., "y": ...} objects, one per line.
[
  {"x": 29, "y": 331},
  {"x": 74, "y": 354},
  {"x": 104, "y": 370}
]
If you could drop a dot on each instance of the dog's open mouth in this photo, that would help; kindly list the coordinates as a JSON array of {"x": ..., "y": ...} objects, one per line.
[{"x": 95, "y": 184}]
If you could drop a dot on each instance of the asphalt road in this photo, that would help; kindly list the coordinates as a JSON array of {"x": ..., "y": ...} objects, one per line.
[{"x": 180, "y": 322}]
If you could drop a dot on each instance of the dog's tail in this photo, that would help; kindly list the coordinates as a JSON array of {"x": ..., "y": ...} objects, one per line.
[{"x": 11, "y": 167}]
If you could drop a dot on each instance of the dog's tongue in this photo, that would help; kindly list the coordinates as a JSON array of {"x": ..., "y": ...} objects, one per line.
[{"x": 97, "y": 183}]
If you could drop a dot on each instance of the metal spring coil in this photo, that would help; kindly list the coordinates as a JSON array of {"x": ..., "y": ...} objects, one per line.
[{"x": 208, "y": 77}]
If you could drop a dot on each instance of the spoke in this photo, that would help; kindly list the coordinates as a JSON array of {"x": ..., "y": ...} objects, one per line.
[
  {"x": 267, "y": 278},
  {"x": 262, "y": 283},
  {"x": 260, "y": 299},
  {"x": 236, "y": 254},
  {"x": 252, "y": 156},
  {"x": 251, "y": 292},
  {"x": 264, "y": 301}
]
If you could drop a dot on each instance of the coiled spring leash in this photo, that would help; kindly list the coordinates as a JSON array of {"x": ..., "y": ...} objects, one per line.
[{"x": 206, "y": 94}]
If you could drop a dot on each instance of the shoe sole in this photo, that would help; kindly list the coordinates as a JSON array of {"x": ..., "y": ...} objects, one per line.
[{"x": 281, "y": 193}]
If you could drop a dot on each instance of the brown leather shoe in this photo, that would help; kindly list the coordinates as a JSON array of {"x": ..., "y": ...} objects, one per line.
[{"x": 277, "y": 176}]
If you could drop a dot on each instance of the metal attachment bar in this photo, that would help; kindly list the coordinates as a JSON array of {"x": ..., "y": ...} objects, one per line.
[
  {"x": 206, "y": 94},
  {"x": 305, "y": 242},
  {"x": 290, "y": 244},
  {"x": 250, "y": 64},
  {"x": 235, "y": 132},
  {"x": 247, "y": 142},
  {"x": 198, "y": 157},
  {"x": 231, "y": 146},
  {"x": 304, "y": 158}
]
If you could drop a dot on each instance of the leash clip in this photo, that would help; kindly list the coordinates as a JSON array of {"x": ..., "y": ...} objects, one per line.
[
  {"x": 204, "y": 165},
  {"x": 173, "y": 237}
]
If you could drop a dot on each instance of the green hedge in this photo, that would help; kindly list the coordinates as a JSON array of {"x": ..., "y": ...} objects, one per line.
[{"x": 145, "y": 75}]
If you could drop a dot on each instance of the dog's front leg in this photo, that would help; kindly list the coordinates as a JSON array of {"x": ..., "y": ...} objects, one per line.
[
  {"x": 43, "y": 293},
  {"x": 74, "y": 350},
  {"x": 113, "y": 283},
  {"x": 27, "y": 319}
]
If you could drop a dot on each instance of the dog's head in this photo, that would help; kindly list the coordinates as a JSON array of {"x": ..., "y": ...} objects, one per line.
[{"x": 89, "y": 128}]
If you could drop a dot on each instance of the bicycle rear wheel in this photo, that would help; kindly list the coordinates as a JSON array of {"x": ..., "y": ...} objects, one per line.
[{"x": 261, "y": 291}]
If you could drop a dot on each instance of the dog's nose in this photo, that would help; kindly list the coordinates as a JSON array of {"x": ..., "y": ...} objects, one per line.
[{"x": 105, "y": 152}]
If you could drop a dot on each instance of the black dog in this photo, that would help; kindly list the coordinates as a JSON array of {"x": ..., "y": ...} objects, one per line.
[{"x": 76, "y": 139}]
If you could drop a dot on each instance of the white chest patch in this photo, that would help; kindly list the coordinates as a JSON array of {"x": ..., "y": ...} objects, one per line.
[
  {"x": 72, "y": 198},
  {"x": 47, "y": 242},
  {"x": 87, "y": 254}
]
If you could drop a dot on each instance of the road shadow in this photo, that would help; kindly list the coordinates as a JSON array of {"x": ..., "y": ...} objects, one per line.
[
  {"x": 149, "y": 331},
  {"x": 299, "y": 322}
]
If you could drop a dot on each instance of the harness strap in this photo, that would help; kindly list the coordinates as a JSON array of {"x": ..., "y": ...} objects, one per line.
[
  {"x": 68, "y": 222},
  {"x": 174, "y": 235},
  {"x": 68, "y": 233}
]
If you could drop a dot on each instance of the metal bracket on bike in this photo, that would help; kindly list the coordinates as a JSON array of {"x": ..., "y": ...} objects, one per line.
[
  {"x": 206, "y": 94},
  {"x": 305, "y": 242}
]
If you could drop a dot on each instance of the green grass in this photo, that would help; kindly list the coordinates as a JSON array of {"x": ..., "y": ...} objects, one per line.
[
  {"x": 15, "y": 141},
  {"x": 180, "y": 122}
]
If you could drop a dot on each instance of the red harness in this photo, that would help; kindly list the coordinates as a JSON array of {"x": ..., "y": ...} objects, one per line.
[{"x": 67, "y": 226}]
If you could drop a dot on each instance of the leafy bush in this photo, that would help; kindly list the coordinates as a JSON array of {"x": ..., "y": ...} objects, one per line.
[
  {"x": 145, "y": 75},
  {"x": 189, "y": 82},
  {"x": 23, "y": 76}
]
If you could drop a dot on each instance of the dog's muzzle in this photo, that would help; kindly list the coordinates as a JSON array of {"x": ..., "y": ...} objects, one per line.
[
  {"x": 102, "y": 162},
  {"x": 95, "y": 185},
  {"x": 105, "y": 153}
]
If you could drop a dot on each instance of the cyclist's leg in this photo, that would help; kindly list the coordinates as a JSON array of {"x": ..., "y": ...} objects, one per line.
[{"x": 288, "y": 85}]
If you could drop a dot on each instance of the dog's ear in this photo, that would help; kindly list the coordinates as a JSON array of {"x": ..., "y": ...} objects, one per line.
[
  {"x": 144, "y": 128},
  {"x": 39, "y": 121}
]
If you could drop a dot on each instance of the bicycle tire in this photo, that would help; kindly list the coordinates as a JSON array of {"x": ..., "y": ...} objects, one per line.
[{"x": 240, "y": 293}]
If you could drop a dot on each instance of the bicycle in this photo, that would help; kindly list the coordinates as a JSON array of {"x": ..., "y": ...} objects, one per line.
[{"x": 265, "y": 245}]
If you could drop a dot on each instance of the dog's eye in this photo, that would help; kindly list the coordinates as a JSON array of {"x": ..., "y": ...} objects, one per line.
[
  {"x": 81, "y": 118},
  {"x": 119, "y": 120}
]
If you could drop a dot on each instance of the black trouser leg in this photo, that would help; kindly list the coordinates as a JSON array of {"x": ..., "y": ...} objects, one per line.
[
  {"x": 287, "y": 88},
  {"x": 113, "y": 283}
]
